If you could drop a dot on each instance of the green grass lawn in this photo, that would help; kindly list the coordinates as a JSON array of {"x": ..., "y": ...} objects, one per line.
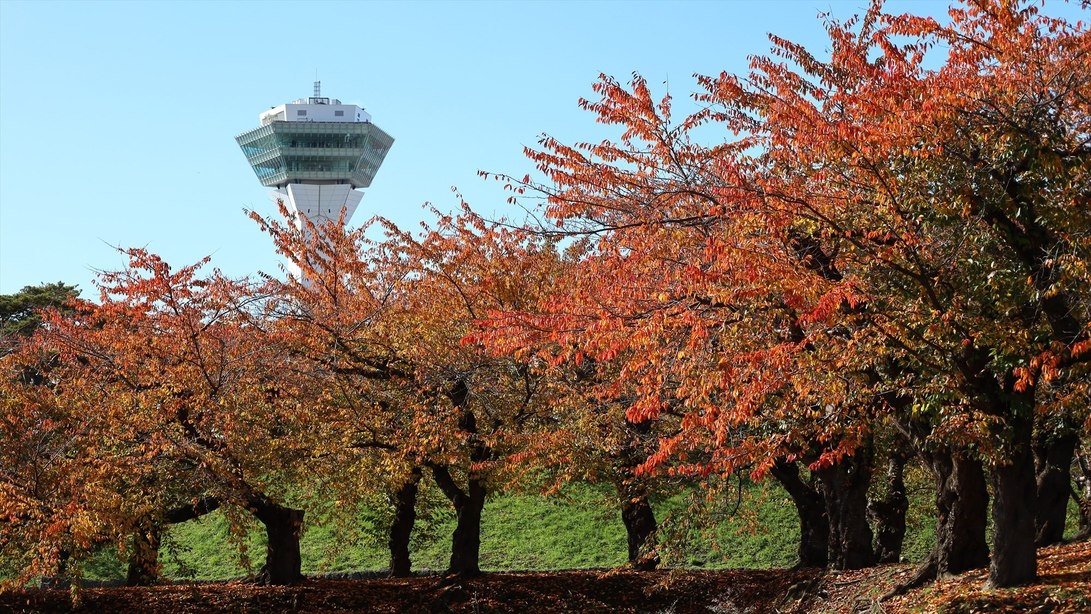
[
  {"x": 581, "y": 529},
  {"x": 519, "y": 532}
]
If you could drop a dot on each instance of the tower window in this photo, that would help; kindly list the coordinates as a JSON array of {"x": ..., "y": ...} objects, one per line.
[
  {"x": 339, "y": 113},
  {"x": 301, "y": 113}
]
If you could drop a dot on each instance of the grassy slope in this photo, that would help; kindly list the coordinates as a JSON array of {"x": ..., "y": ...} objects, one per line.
[{"x": 520, "y": 532}]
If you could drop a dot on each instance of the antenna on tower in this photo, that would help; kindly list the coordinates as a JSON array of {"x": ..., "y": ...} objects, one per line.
[{"x": 317, "y": 86}]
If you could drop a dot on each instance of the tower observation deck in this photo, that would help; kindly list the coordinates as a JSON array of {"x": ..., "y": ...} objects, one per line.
[{"x": 315, "y": 152}]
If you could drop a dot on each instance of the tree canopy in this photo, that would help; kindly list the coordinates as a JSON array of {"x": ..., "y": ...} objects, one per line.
[{"x": 837, "y": 260}]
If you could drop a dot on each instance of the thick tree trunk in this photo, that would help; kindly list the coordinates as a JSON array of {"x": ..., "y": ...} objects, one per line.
[
  {"x": 1053, "y": 462},
  {"x": 961, "y": 513},
  {"x": 814, "y": 527},
  {"x": 144, "y": 558},
  {"x": 640, "y": 526},
  {"x": 466, "y": 539},
  {"x": 1014, "y": 557},
  {"x": 889, "y": 512},
  {"x": 405, "y": 515},
  {"x": 962, "y": 503},
  {"x": 282, "y": 528},
  {"x": 63, "y": 554},
  {"x": 468, "y": 504},
  {"x": 844, "y": 488},
  {"x": 59, "y": 579},
  {"x": 636, "y": 509}
]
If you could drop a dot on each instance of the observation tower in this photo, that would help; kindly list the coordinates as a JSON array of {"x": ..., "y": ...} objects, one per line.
[{"x": 315, "y": 152}]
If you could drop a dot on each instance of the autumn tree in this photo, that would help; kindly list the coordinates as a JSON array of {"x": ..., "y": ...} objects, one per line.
[
  {"x": 60, "y": 466},
  {"x": 589, "y": 434},
  {"x": 951, "y": 194},
  {"x": 382, "y": 324},
  {"x": 586, "y": 437},
  {"x": 878, "y": 237},
  {"x": 48, "y": 466},
  {"x": 195, "y": 392},
  {"x": 698, "y": 304}
]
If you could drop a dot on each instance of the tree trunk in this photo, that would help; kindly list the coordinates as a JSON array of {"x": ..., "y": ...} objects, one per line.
[
  {"x": 962, "y": 502},
  {"x": 640, "y": 526},
  {"x": 961, "y": 513},
  {"x": 144, "y": 558},
  {"x": 889, "y": 512},
  {"x": 1014, "y": 557},
  {"x": 63, "y": 554},
  {"x": 961, "y": 506},
  {"x": 282, "y": 528},
  {"x": 844, "y": 487},
  {"x": 468, "y": 504},
  {"x": 814, "y": 527},
  {"x": 1053, "y": 463},
  {"x": 466, "y": 539},
  {"x": 405, "y": 515},
  {"x": 636, "y": 510},
  {"x": 1083, "y": 511},
  {"x": 1083, "y": 495}
]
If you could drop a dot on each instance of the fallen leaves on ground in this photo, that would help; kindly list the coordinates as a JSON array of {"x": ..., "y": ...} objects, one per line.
[{"x": 1064, "y": 587}]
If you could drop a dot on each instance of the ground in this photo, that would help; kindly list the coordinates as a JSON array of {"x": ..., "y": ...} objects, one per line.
[{"x": 1064, "y": 587}]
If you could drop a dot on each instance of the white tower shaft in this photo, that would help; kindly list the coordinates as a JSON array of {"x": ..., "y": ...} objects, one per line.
[{"x": 317, "y": 203}]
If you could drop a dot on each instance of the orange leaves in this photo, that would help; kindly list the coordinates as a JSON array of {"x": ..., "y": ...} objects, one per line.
[
  {"x": 1043, "y": 368},
  {"x": 762, "y": 289},
  {"x": 1080, "y": 348},
  {"x": 167, "y": 391},
  {"x": 860, "y": 228},
  {"x": 400, "y": 338}
]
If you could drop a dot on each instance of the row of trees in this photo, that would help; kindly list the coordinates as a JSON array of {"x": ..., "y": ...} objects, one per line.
[{"x": 881, "y": 254}]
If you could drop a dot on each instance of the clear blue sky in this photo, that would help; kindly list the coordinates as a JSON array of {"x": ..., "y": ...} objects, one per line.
[{"x": 117, "y": 119}]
